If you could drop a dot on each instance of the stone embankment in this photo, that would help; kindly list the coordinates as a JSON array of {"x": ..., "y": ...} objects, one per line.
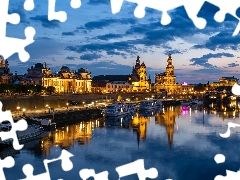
[{"x": 60, "y": 101}]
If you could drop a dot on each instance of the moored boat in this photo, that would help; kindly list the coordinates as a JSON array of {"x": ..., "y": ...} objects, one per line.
[{"x": 150, "y": 105}]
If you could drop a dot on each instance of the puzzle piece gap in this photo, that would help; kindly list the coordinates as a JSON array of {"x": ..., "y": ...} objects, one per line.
[
  {"x": 53, "y": 15},
  {"x": 75, "y": 4},
  {"x": 29, "y": 5},
  {"x": 7, "y": 162},
  {"x": 192, "y": 9},
  {"x": 87, "y": 173},
  {"x": 219, "y": 158}
]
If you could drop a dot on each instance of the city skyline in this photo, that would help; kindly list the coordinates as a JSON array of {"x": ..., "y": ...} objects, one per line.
[{"x": 109, "y": 44}]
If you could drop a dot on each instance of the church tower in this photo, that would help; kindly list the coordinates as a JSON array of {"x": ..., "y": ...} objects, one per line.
[
  {"x": 137, "y": 66},
  {"x": 170, "y": 78}
]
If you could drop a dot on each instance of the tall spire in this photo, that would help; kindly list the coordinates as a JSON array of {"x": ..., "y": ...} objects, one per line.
[
  {"x": 169, "y": 55},
  {"x": 138, "y": 60}
]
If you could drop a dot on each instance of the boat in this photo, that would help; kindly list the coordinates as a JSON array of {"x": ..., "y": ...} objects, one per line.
[
  {"x": 118, "y": 109},
  {"x": 31, "y": 133},
  {"x": 157, "y": 103},
  {"x": 196, "y": 102},
  {"x": 46, "y": 123},
  {"x": 186, "y": 103},
  {"x": 193, "y": 102},
  {"x": 150, "y": 105},
  {"x": 112, "y": 110},
  {"x": 122, "y": 121},
  {"x": 132, "y": 108}
]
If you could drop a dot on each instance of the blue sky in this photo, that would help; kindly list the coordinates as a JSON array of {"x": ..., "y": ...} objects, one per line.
[{"x": 106, "y": 43}]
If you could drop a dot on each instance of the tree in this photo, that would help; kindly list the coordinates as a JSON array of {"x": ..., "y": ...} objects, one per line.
[{"x": 50, "y": 89}]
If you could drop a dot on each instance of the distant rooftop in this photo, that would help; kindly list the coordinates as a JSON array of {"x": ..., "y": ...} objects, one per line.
[
  {"x": 110, "y": 78},
  {"x": 229, "y": 78}
]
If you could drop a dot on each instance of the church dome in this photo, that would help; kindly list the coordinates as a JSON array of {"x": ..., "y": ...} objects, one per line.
[{"x": 65, "y": 69}]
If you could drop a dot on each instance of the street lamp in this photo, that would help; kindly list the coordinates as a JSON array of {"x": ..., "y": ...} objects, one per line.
[
  {"x": 23, "y": 111},
  {"x": 67, "y": 105},
  {"x": 18, "y": 109}
]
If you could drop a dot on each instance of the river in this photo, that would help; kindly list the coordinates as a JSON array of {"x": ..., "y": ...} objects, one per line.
[{"x": 179, "y": 142}]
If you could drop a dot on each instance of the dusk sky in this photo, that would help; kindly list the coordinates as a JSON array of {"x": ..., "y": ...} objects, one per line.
[{"x": 106, "y": 43}]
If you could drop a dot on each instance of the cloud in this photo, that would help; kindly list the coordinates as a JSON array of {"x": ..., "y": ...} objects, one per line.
[
  {"x": 173, "y": 51},
  {"x": 90, "y": 57},
  {"x": 100, "y": 24},
  {"x": 148, "y": 35},
  {"x": 70, "y": 58},
  {"x": 68, "y": 34},
  {"x": 233, "y": 65},
  {"x": 109, "y": 36},
  {"x": 43, "y": 49},
  {"x": 223, "y": 40},
  {"x": 45, "y": 22},
  {"x": 94, "y": 2},
  {"x": 203, "y": 61},
  {"x": 113, "y": 48}
]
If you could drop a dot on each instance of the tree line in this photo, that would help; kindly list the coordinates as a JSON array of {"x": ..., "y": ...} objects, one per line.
[{"x": 10, "y": 89}]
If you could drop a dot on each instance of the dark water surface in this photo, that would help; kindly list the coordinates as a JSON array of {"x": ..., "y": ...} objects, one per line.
[{"x": 179, "y": 142}]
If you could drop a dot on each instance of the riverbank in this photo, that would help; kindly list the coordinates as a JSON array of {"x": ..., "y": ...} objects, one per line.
[
  {"x": 71, "y": 117},
  {"x": 29, "y": 103},
  {"x": 76, "y": 114}
]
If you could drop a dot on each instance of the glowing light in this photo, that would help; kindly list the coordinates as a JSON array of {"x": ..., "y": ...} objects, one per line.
[{"x": 184, "y": 83}]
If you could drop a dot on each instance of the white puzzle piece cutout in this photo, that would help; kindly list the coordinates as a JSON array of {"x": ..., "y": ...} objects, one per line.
[{"x": 66, "y": 166}]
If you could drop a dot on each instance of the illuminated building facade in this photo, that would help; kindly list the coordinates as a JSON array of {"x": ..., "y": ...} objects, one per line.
[
  {"x": 35, "y": 74},
  {"x": 119, "y": 86},
  {"x": 66, "y": 81},
  {"x": 139, "y": 79},
  {"x": 167, "y": 81},
  {"x": 110, "y": 83},
  {"x": 187, "y": 88},
  {"x": 224, "y": 81}
]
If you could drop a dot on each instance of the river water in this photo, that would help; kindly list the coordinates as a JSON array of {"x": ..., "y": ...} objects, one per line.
[{"x": 179, "y": 142}]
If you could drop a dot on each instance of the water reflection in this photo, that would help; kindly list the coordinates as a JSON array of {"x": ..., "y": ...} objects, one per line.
[
  {"x": 66, "y": 137},
  {"x": 167, "y": 119},
  {"x": 169, "y": 137}
]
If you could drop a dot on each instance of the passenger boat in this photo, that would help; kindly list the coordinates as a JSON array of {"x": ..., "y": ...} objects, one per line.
[
  {"x": 150, "y": 105},
  {"x": 32, "y": 132},
  {"x": 191, "y": 102},
  {"x": 46, "y": 123},
  {"x": 186, "y": 103},
  {"x": 115, "y": 110},
  {"x": 112, "y": 110}
]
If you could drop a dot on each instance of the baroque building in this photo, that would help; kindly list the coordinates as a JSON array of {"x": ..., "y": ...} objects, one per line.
[
  {"x": 66, "y": 81},
  {"x": 36, "y": 73},
  {"x": 111, "y": 83},
  {"x": 224, "y": 81},
  {"x": 6, "y": 75},
  {"x": 167, "y": 81},
  {"x": 139, "y": 79}
]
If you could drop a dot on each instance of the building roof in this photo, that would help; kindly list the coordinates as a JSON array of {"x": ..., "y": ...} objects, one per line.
[
  {"x": 110, "y": 78},
  {"x": 99, "y": 84},
  {"x": 229, "y": 78}
]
